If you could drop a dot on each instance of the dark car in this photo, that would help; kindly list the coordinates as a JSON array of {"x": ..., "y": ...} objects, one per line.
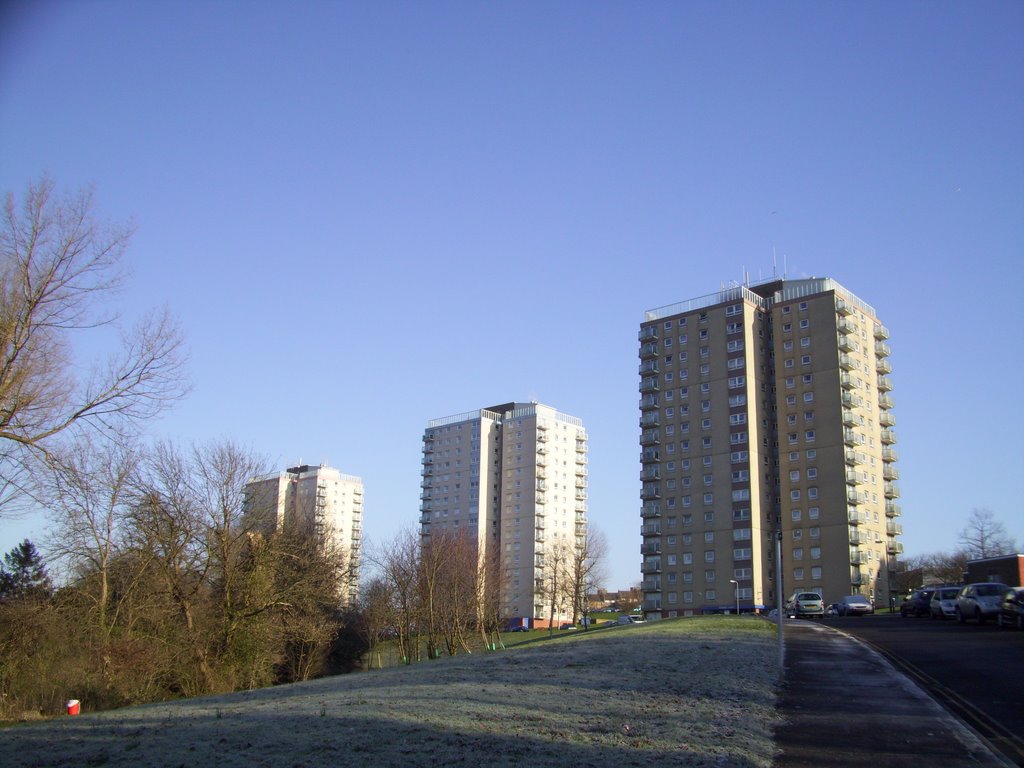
[
  {"x": 918, "y": 604},
  {"x": 1011, "y": 610},
  {"x": 854, "y": 605}
]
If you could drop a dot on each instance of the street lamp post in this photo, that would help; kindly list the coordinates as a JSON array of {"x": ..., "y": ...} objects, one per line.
[{"x": 736, "y": 592}]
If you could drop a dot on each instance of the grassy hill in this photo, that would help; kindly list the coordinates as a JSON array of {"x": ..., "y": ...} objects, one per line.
[{"x": 693, "y": 692}]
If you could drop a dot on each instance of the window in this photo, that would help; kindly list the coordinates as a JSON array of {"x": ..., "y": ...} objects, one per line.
[
  {"x": 671, "y": 559},
  {"x": 735, "y": 382},
  {"x": 805, "y": 341},
  {"x": 815, "y": 553},
  {"x": 809, "y": 436},
  {"x": 736, "y": 438},
  {"x": 741, "y": 476},
  {"x": 668, "y": 325},
  {"x": 805, "y": 323},
  {"x": 788, "y": 363},
  {"x": 704, "y": 331},
  {"x": 733, "y": 309},
  {"x": 705, "y": 442},
  {"x": 797, "y": 534},
  {"x": 684, "y": 392},
  {"x": 738, "y": 418},
  {"x": 791, "y": 400},
  {"x": 787, "y": 345},
  {"x": 790, "y": 382},
  {"x": 708, "y": 479},
  {"x": 812, "y": 493},
  {"x": 816, "y": 573},
  {"x": 798, "y": 574},
  {"x": 668, "y": 342},
  {"x": 705, "y": 423},
  {"x": 742, "y": 553},
  {"x": 796, "y": 514},
  {"x": 687, "y": 597},
  {"x": 708, "y": 498},
  {"x": 813, "y": 513},
  {"x": 808, "y": 397},
  {"x": 709, "y": 576},
  {"x": 705, "y": 370},
  {"x": 808, "y": 378},
  {"x": 803, "y": 306},
  {"x": 709, "y": 517},
  {"x": 808, "y": 415},
  {"x": 706, "y": 461},
  {"x": 814, "y": 532},
  {"x": 709, "y": 555},
  {"x": 741, "y": 494},
  {"x": 787, "y": 327},
  {"x": 741, "y": 514},
  {"x": 795, "y": 494},
  {"x": 682, "y": 339},
  {"x": 682, "y": 323},
  {"x": 737, "y": 457},
  {"x": 812, "y": 473},
  {"x": 812, "y": 453},
  {"x": 687, "y": 560},
  {"x": 798, "y": 553},
  {"x": 794, "y": 475},
  {"x": 741, "y": 534},
  {"x": 734, "y": 346},
  {"x": 736, "y": 363},
  {"x": 805, "y": 360}
]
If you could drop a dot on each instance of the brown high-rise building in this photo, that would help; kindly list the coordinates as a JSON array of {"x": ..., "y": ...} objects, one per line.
[{"x": 766, "y": 410}]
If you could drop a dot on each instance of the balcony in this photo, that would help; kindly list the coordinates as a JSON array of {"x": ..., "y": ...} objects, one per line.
[
  {"x": 890, "y": 454},
  {"x": 882, "y": 349},
  {"x": 852, "y": 478},
  {"x": 654, "y": 567},
  {"x": 851, "y": 438},
  {"x": 891, "y": 491},
  {"x": 650, "y": 585},
  {"x": 892, "y": 509},
  {"x": 650, "y": 492},
  {"x": 894, "y": 547},
  {"x": 888, "y": 436},
  {"x": 649, "y": 384},
  {"x": 648, "y": 401},
  {"x": 849, "y": 418},
  {"x": 843, "y": 307},
  {"x": 581, "y": 483},
  {"x": 650, "y": 419},
  {"x": 581, "y": 506},
  {"x": 540, "y": 501},
  {"x": 581, "y": 469},
  {"x": 889, "y": 472},
  {"x": 542, "y": 471},
  {"x": 542, "y": 435},
  {"x": 884, "y": 401},
  {"x": 887, "y": 419},
  {"x": 881, "y": 332},
  {"x": 651, "y": 473},
  {"x": 538, "y": 534},
  {"x": 893, "y": 529},
  {"x": 884, "y": 384},
  {"x": 648, "y": 455},
  {"x": 650, "y": 509},
  {"x": 846, "y": 381},
  {"x": 581, "y": 495},
  {"x": 541, "y": 485},
  {"x": 883, "y": 366},
  {"x": 853, "y": 498},
  {"x": 853, "y": 458},
  {"x": 650, "y": 437},
  {"x": 649, "y": 350},
  {"x": 846, "y": 326},
  {"x": 652, "y": 547},
  {"x": 846, "y": 363},
  {"x": 650, "y": 333},
  {"x": 851, "y": 400},
  {"x": 651, "y": 529},
  {"x": 848, "y": 345},
  {"x": 648, "y": 366},
  {"x": 856, "y": 518},
  {"x": 857, "y": 578},
  {"x": 857, "y": 557}
]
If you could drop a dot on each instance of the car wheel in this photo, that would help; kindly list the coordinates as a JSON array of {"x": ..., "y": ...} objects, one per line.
[{"x": 959, "y": 616}]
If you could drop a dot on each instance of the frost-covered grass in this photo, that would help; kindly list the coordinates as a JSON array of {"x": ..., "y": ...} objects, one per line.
[{"x": 695, "y": 692}]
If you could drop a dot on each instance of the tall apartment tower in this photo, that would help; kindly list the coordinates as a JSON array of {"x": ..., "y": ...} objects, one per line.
[
  {"x": 513, "y": 476},
  {"x": 765, "y": 411},
  {"x": 317, "y": 501}
]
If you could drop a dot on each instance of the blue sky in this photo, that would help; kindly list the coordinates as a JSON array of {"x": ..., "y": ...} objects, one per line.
[{"x": 368, "y": 215}]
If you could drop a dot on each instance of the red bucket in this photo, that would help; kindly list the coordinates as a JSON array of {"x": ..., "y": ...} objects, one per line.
[{"x": 74, "y": 707}]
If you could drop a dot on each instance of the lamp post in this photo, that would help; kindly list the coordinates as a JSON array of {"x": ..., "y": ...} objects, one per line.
[{"x": 736, "y": 592}]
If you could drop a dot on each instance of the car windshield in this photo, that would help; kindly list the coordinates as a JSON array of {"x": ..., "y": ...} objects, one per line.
[
  {"x": 808, "y": 596},
  {"x": 855, "y": 599},
  {"x": 947, "y": 594},
  {"x": 990, "y": 590}
]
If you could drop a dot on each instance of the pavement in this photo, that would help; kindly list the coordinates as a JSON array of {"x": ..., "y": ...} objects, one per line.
[{"x": 846, "y": 706}]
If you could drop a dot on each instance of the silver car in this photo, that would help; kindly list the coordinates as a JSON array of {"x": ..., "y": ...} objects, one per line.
[
  {"x": 979, "y": 601},
  {"x": 943, "y": 603}
]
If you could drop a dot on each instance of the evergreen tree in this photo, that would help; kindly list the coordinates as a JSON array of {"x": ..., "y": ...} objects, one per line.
[{"x": 23, "y": 574}]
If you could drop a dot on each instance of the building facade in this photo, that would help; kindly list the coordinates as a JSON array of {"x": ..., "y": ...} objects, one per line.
[
  {"x": 317, "y": 501},
  {"x": 766, "y": 413},
  {"x": 514, "y": 477}
]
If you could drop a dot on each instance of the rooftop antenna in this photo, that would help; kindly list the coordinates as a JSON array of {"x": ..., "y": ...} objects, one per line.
[{"x": 775, "y": 265}]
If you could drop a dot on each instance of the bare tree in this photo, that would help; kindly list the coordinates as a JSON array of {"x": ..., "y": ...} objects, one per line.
[
  {"x": 399, "y": 566},
  {"x": 59, "y": 267},
  {"x": 587, "y": 570},
  {"x": 984, "y": 536},
  {"x": 556, "y": 582}
]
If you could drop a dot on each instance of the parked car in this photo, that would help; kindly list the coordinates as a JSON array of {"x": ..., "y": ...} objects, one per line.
[
  {"x": 567, "y": 625},
  {"x": 980, "y": 601},
  {"x": 625, "y": 619},
  {"x": 943, "y": 604},
  {"x": 805, "y": 605},
  {"x": 918, "y": 604},
  {"x": 1011, "y": 609},
  {"x": 854, "y": 605}
]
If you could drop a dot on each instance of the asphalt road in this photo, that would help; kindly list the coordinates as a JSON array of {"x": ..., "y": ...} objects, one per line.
[{"x": 980, "y": 668}]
